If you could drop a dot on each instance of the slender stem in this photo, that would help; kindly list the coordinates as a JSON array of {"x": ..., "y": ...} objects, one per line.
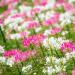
[
  {"x": 20, "y": 73},
  {"x": 42, "y": 50},
  {"x": 17, "y": 44},
  {"x": 2, "y": 67},
  {"x": 3, "y": 36},
  {"x": 57, "y": 53}
]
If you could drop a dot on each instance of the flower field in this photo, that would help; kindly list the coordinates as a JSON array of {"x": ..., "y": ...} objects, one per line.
[{"x": 37, "y": 37}]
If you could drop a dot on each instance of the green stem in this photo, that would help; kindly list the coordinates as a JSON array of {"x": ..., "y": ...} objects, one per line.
[
  {"x": 20, "y": 73},
  {"x": 18, "y": 47},
  {"x": 57, "y": 53},
  {"x": 3, "y": 36},
  {"x": 42, "y": 50}
]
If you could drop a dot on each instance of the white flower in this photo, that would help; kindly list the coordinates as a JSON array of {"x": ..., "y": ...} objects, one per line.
[
  {"x": 1, "y": 49},
  {"x": 24, "y": 25},
  {"x": 64, "y": 32},
  {"x": 23, "y": 8},
  {"x": 10, "y": 62},
  {"x": 2, "y": 59},
  {"x": 71, "y": 1},
  {"x": 12, "y": 25},
  {"x": 41, "y": 16},
  {"x": 64, "y": 60},
  {"x": 58, "y": 68},
  {"x": 26, "y": 68},
  {"x": 50, "y": 70},
  {"x": 13, "y": 11},
  {"x": 73, "y": 53},
  {"x": 47, "y": 59},
  {"x": 57, "y": 61},
  {"x": 15, "y": 36},
  {"x": 9, "y": 20},
  {"x": 49, "y": 14},
  {"x": 50, "y": 3},
  {"x": 65, "y": 18},
  {"x": 47, "y": 32},
  {"x": 48, "y": 6},
  {"x": 68, "y": 56},
  {"x": 51, "y": 42},
  {"x": 46, "y": 43},
  {"x": 38, "y": 29},
  {"x": 54, "y": 43},
  {"x": 53, "y": 58},
  {"x": 44, "y": 70}
]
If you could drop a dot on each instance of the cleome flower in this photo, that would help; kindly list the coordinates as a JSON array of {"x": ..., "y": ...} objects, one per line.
[
  {"x": 18, "y": 55},
  {"x": 67, "y": 46},
  {"x": 35, "y": 40}
]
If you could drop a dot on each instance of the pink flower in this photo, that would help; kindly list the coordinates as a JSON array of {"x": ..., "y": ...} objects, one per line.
[
  {"x": 35, "y": 39},
  {"x": 54, "y": 19},
  {"x": 1, "y": 22},
  {"x": 34, "y": 11},
  {"x": 26, "y": 42},
  {"x": 10, "y": 1},
  {"x": 12, "y": 52},
  {"x": 68, "y": 6},
  {"x": 5, "y": 13},
  {"x": 7, "y": 2},
  {"x": 36, "y": 2},
  {"x": 43, "y": 2},
  {"x": 55, "y": 31},
  {"x": 2, "y": 3},
  {"x": 16, "y": 15},
  {"x": 73, "y": 72},
  {"x": 68, "y": 45},
  {"x": 27, "y": 54},
  {"x": 32, "y": 24},
  {"x": 23, "y": 34},
  {"x": 18, "y": 55}
]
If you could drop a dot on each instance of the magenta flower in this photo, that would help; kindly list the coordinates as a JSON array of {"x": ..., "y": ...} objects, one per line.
[
  {"x": 26, "y": 42},
  {"x": 27, "y": 54},
  {"x": 34, "y": 11},
  {"x": 68, "y": 46},
  {"x": 43, "y": 2},
  {"x": 12, "y": 52},
  {"x": 54, "y": 19},
  {"x": 18, "y": 55},
  {"x": 55, "y": 31},
  {"x": 35, "y": 39},
  {"x": 7, "y": 2},
  {"x": 1, "y": 22},
  {"x": 10, "y": 1},
  {"x": 32, "y": 24},
  {"x": 68, "y": 6}
]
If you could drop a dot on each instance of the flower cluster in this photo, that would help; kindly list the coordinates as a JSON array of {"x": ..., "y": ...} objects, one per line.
[{"x": 37, "y": 37}]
